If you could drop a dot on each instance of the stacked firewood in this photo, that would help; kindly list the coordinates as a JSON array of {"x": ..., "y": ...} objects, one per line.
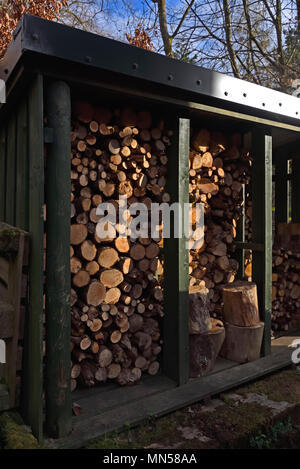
[
  {"x": 286, "y": 278},
  {"x": 218, "y": 169},
  {"x": 116, "y": 293}
]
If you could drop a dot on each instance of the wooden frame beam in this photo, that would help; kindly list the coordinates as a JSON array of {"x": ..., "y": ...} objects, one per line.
[
  {"x": 182, "y": 104},
  {"x": 2, "y": 172},
  {"x": 11, "y": 171},
  {"x": 22, "y": 164},
  {"x": 281, "y": 187},
  {"x": 295, "y": 202},
  {"x": 262, "y": 227},
  {"x": 32, "y": 384},
  {"x": 176, "y": 279},
  {"x": 58, "y": 276}
]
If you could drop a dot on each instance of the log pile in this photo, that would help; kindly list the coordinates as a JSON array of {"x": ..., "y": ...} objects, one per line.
[
  {"x": 218, "y": 169},
  {"x": 116, "y": 292},
  {"x": 286, "y": 278}
]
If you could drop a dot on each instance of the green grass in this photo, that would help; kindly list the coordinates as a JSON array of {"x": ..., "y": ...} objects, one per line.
[
  {"x": 269, "y": 439},
  {"x": 282, "y": 386}
]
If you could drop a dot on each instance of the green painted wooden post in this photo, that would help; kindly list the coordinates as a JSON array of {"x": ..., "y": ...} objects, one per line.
[
  {"x": 296, "y": 190},
  {"x": 22, "y": 168},
  {"x": 281, "y": 188},
  {"x": 176, "y": 282},
  {"x": 11, "y": 171},
  {"x": 262, "y": 227},
  {"x": 2, "y": 172},
  {"x": 58, "y": 283},
  {"x": 32, "y": 383}
]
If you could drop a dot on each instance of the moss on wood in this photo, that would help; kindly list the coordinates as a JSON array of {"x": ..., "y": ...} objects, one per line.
[
  {"x": 14, "y": 434},
  {"x": 9, "y": 240}
]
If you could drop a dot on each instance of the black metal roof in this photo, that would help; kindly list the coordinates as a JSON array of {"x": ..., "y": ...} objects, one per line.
[{"x": 52, "y": 45}]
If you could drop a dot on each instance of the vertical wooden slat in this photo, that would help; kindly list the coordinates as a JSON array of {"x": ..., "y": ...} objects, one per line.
[
  {"x": 2, "y": 172},
  {"x": 22, "y": 168},
  {"x": 176, "y": 283},
  {"x": 58, "y": 283},
  {"x": 240, "y": 237},
  {"x": 11, "y": 171},
  {"x": 296, "y": 190},
  {"x": 33, "y": 361},
  {"x": 262, "y": 227},
  {"x": 14, "y": 297},
  {"x": 281, "y": 188}
]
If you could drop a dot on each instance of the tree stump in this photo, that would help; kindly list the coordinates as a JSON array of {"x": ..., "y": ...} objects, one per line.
[
  {"x": 242, "y": 344},
  {"x": 240, "y": 304},
  {"x": 204, "y": 349}
]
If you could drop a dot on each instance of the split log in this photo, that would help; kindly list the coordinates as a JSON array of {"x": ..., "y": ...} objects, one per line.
[
  {"x": 105, "y": 357},
  {"x": 122, "y": 244},
  {"x": 112, "y": 296},
  {"x": 107, "y": 257},
  {"x": 199, "y": 318},
  {"x": 81, "y": 279},
  {"x": 78, "y": 234},
  {"x": 95, "y": 293},
  {"x": 111, "y": 278},
  {"x": 88, "y": 250}
]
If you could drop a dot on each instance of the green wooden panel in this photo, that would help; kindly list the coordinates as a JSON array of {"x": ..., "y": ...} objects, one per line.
[
  {"x": 176, "y": 282},
  {"x": 2, "y": 172},
  {"x": 58, "y": 283},
  {"x": 32, "y": 403},
  {"x": 11, "y": 172},
  {"x": 262, "y": 227},
  {"x": 22, "y": 186}
]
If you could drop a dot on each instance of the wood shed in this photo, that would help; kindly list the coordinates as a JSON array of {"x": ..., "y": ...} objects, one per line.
[{"x": 132, "y": 115}]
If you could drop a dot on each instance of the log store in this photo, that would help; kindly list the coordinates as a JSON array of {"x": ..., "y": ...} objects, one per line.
[{"x": 123, "y": 326}]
